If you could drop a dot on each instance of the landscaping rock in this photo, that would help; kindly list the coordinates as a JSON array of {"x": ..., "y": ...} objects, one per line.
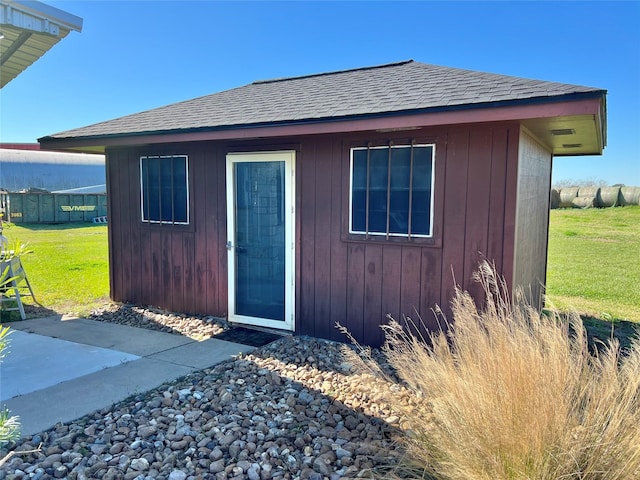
[
  {"x": 193, "y": 326},
  {"x": 297, "y": 408}
]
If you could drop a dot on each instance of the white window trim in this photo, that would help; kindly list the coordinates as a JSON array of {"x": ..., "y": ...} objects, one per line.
[
  {"x": 431, "y": 200},
  {"x": 164, "y": 222}
]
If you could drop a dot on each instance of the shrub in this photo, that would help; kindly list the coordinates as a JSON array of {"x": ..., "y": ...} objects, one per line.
[
  {"x": 583, "y": 182},
  {"x": 509, "y": 393}
]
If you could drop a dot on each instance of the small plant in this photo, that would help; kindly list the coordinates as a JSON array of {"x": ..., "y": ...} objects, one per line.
[
  {"x": 9, "y": 426},
  {"x": 4, "y": 341},
  {"x": 15, "y": 249},
  {"x": 7, "y": 255},
  {"x": 508, "y": 393}
]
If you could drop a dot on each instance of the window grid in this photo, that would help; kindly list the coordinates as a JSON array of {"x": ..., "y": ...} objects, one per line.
[
  {"x": 173, "y": 207},
  {"x": 411, "y": 189},
  {"x": 145, "y": 192},
  {"x": 368, "y": 204},
  {"x": 409, "y": 234},
  {"x": 146, "y": 166},
  {"x": 388, "y": 190}
]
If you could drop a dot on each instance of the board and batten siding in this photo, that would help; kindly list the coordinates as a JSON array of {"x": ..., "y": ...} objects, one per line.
[
  {"x": 359, "y": 282},
  {"x": 178, "y": 268},
  {"x": 532, "y": 217},
  {"x": 339, "y": 277}
]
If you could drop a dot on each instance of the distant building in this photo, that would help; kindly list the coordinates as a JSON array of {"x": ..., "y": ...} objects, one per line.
[{"x": 23, "y": 169}]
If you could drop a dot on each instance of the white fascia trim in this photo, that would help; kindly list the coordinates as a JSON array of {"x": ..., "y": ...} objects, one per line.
[{"x": 38, "y": 17}]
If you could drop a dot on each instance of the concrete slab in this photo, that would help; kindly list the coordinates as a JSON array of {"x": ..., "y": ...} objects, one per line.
[
  {"x": 81, "y": 396},
  {"x": 36, "y": 362},
  {"x": 138, "y": 360},
  {"x": 199, "y": 355},
  {"x": 137, "y": 341}
]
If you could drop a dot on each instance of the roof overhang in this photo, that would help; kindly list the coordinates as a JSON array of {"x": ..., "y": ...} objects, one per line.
[
  {"x": 28, "y": 29},
  {"x": 583, "y": 122}
]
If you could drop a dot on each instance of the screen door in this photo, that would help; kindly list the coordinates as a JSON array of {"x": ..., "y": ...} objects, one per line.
[{"x": 260, "y": 226}]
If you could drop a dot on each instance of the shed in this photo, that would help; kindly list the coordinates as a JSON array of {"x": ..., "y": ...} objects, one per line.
[{"x": 344, "y": 196}]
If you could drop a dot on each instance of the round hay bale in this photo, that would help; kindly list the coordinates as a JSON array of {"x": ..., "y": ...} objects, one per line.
[
  {"x": 583, "y": 202},
  {"x": 567, "y": 195},
  {"x": 630, "y": 196},
  {"x": 609, "y": 197},
  {"x": 554, "y": 201},
  {"x": 590, "y": 192}
]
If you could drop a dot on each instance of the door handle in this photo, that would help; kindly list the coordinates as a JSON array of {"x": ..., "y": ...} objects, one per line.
[{"x": 229, "y": 245}]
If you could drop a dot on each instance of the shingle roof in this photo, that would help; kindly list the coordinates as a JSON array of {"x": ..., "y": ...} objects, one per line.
[{"x": 403, "y": 87}]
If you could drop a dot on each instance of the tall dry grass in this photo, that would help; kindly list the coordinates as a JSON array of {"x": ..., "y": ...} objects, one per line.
[{"x": 509, "y": 393}]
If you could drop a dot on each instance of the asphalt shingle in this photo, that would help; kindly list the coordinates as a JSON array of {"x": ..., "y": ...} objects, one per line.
[{"x": 399, "y": 87}]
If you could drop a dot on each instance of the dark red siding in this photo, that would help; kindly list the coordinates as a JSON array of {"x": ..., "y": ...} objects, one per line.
[
  {"x": 179, "y": 268},
  {"x": 340, "y": 277}
]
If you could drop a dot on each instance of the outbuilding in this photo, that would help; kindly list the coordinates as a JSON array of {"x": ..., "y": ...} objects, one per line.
[{"x": 338, "y": 197}]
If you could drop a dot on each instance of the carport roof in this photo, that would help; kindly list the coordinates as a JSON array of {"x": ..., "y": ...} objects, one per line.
[
  {"x": 28, "y": 29},
  {"x": 333, "y": 101}
]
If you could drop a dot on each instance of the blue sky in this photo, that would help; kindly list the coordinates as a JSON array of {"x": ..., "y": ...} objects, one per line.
[{"x": 133, "y": 56}]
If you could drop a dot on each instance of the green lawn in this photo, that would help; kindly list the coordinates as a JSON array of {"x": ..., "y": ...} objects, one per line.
[
  {"x": 68, "y": 267},
  {"x": 594, "y": 262}
]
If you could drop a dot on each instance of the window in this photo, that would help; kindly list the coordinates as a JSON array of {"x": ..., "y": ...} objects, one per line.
[
  {"x": 164, "y": 189},
  {"x": 392, "y": 190}
]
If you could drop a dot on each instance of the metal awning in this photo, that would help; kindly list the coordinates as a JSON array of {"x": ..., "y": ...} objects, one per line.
[{"x": 28, "y": 29}]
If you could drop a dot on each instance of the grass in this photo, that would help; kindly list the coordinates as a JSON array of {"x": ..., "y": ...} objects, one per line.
[
  {"x": 511, "y": 394},
  {"x": 594, "y": 262},
  {"x": 68, "y": 268}
]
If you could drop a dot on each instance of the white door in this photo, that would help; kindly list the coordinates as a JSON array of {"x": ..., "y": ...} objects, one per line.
[{"x": 260, "y": 238}]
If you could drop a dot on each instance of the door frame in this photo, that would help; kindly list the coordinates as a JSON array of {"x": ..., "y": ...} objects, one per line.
[{"x": 288, "y": 156}]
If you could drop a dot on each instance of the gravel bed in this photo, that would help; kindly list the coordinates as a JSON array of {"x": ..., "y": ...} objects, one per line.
[
  {"x": 298, "y": 408},
  {"x": 193, "y": 326}
]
